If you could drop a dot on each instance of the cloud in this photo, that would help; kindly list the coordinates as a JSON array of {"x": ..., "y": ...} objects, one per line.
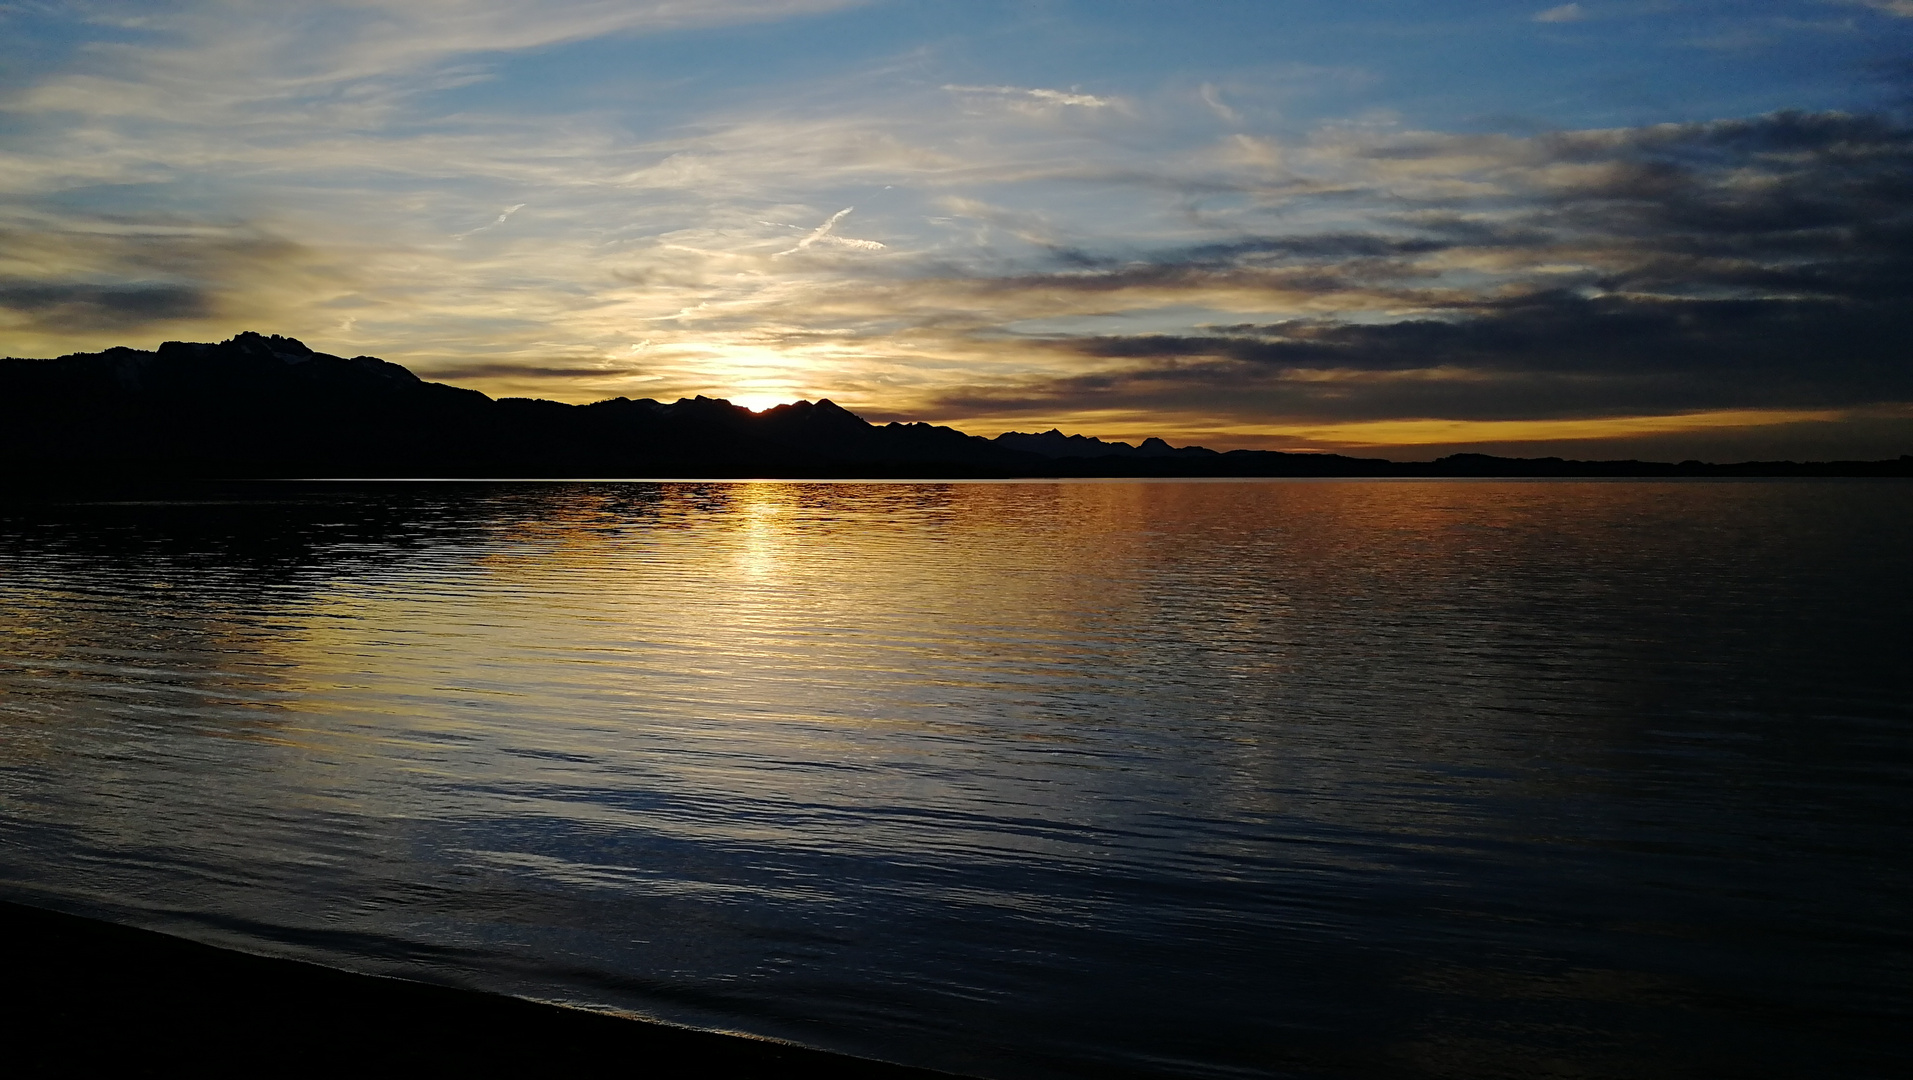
[
  {"x": 1212, "y": 97},
  {"x": 352, "y": 58},
  {"x": 1901, "y": 8},
  {"x": 1563, "y": 14},
  {"x": 73, "y": 280},
  {"x": 83, "y": 306},
  {"x": 520, "y": 371},
  {"x": 1036, "y": 99},
  {"x": 1553, "y": 355},
  {"x": 1059, "y": 97},
  {"x": 1749, "y": 266}
]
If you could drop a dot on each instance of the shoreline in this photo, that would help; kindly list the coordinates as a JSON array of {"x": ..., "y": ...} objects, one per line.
[
  {"x": 138, "y": 490},
  {"x": 80, "y": 992}
]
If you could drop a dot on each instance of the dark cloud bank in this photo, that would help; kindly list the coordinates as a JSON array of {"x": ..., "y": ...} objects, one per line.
[
  {"x": 1752, "y": 264},
  {"x": 121, "y": 273},
  {"x": 70, "y": 306}
]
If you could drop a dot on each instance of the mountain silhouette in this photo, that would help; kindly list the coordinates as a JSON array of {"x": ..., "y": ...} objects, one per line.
[
  {"x": 1055, "y": 444},
  {"x": 258, "y": 407}
]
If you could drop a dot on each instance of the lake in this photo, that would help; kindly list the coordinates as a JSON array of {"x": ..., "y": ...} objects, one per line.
[{"x": 1209, "y": 779}]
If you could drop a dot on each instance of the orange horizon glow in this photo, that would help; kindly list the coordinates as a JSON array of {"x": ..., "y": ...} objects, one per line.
[{"x": 1385, "y": 435}]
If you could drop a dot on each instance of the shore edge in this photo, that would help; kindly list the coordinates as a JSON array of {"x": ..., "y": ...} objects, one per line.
[{"x": 81, "y": 993}]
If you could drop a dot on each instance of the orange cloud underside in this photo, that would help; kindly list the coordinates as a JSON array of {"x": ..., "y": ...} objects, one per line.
[{"x": 1384, "y": 435}]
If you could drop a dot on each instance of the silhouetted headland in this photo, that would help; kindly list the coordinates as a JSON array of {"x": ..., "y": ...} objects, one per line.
[
  {"x": 84, "y": 996},
  {"x": 259, "y": 407}
]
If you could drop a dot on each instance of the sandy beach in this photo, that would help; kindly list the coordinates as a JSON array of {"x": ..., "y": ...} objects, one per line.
[{"x": 82, "y": 994}]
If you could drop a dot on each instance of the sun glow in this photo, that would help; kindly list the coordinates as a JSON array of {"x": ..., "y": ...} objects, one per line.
[{"x": 760, "y": 402}]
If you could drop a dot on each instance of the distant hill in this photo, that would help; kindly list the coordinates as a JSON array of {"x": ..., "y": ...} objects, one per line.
[
  {"x": 1055, "y": 444},
  {"x": 259, "y": 406}
]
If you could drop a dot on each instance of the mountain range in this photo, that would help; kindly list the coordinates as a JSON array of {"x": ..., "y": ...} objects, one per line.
[{"x": 259, "y": 407}]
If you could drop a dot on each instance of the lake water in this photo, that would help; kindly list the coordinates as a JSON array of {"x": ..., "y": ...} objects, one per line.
[{"x": 1417, "y": 779}]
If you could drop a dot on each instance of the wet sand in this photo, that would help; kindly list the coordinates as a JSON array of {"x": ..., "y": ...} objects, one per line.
[{"x": 81, "y": 994}]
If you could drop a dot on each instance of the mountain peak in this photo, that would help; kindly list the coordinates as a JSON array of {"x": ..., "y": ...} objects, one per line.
[{"x": 254, "y": 342}]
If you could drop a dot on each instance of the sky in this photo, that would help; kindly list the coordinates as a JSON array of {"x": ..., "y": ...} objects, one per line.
[{"x": 1658, "y": 228}]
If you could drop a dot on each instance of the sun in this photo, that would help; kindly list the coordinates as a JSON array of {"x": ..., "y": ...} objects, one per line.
[{"x": 759, "y": 402}]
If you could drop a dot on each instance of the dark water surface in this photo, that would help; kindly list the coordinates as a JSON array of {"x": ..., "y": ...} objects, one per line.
[{"x": 1460, "y": 779}]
